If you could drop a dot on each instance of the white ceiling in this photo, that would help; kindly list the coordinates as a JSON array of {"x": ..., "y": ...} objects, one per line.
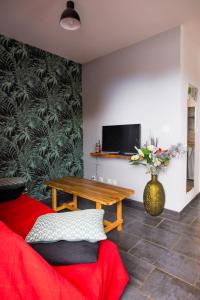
[{"x": 107, "y": 25}]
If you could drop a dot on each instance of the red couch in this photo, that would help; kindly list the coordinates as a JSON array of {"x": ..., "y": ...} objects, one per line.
[{"x": 24, "y": 274}]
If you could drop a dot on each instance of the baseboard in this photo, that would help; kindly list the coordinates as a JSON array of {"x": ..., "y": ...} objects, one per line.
[{"x": 137, "y": 204}]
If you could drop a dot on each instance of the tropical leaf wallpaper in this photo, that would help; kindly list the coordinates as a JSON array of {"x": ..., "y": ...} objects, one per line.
[{"x": 40, "y": 115}]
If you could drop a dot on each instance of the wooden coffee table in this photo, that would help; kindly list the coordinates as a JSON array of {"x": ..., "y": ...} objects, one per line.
[{"x": 101, "y": 193}]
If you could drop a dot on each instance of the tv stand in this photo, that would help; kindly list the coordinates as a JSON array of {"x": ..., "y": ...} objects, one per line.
[{"x": 110, "y": 155}]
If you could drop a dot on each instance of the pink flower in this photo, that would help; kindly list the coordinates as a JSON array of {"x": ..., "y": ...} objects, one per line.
[{"x": 158, "y": 150}]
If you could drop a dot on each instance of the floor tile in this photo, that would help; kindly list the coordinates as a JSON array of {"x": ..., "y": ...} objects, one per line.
[
  {"x": 161, "y": 286},
  {"x": 179, "y": 266},
  {"x": 170, "y": 216},
  {"x": 192, "y": 211},
  {"x": 196, "y": 221},
  {"x": 147, "y": 251},
  {"x": 154, "y": 234},
  {"x": 141, "y": 216},
  {"x": 124, "y": 240},
  {"x": 137, "y": 268},
  {"x": 110, "y": 216},
  {"x": 169, "y": 261},
  {"x": 128, "y": 218},
  {"x": 195, "y": 202},
  {"x": 189, "y": 247},
  {"x": 187, "y": 218},
  {"x": 197, "y": 283},
  {"x": 181, "y": 229},
  {"x": 132, "y": 293},
  {"x": 84, "y": 204}
]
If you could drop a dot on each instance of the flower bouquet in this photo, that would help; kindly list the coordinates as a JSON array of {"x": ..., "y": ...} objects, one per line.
[{"x": 155, "y": 158}]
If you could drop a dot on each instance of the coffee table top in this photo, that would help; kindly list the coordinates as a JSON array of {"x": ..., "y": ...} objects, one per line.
[{"x": 103, "y": 193}]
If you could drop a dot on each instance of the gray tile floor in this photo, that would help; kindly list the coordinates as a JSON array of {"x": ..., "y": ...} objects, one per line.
[{"x": 161, "y": 254}]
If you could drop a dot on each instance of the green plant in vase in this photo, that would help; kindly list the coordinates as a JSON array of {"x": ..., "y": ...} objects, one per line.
[{"x": 155, "y": 159}]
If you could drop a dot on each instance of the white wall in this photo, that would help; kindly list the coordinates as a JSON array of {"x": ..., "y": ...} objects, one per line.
[
  {"x": 190, "y": 74},
  {"x": 139, "y": 84}
]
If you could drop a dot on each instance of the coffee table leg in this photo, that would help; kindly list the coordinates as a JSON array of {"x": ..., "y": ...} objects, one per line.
[
  {"x": 119, "y": 215},
  {"x": 75, "y": 201},
  {"x": 54, "y": 199},
  {"x": 98, "y": 205}
]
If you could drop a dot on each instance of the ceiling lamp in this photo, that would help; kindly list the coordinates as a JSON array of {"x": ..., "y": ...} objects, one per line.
[{"x": 70, "y": 19}]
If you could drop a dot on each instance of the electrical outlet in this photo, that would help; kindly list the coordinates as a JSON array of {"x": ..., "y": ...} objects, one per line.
[
  {"x": 100, "y": 179},
  {"x": 114, "y": 181}
]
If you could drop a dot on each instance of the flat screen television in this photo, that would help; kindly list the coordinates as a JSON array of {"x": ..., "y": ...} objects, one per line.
[{"x": 121, "y": 139}]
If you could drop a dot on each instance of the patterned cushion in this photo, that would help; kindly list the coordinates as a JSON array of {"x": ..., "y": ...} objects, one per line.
[
  {"x": 84, "y": 225},
  {"x": 11, "y": 188}
]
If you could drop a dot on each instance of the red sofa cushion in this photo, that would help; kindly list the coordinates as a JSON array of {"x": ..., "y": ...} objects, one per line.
[
  {"x": 20, "y": 214},
  {"x": 25, "y": 275},
  {"x": 104, "y": 280}
]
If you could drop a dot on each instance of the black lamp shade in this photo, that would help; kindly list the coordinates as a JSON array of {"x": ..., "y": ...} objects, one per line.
[{"x": 70, "y": 19}]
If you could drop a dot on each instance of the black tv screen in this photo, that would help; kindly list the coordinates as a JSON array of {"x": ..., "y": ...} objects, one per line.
[{"x": 121, "y": 138}]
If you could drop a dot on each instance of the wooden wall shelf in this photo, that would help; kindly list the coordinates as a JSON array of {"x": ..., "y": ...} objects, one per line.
[{"x": 110, "y": 155}]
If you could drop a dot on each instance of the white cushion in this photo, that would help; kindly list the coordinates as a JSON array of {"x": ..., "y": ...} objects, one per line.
[{"x": 83, "y": 225}]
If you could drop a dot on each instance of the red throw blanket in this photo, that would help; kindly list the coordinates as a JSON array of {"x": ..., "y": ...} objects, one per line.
[{"x": 24, "y": 274}]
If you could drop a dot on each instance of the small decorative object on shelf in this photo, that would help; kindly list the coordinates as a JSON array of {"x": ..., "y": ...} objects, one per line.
[
  {"x": 98, "y": 147},
  {"x": 155, "y": 159}
]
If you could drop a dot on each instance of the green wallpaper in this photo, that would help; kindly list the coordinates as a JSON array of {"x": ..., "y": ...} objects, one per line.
[{"x": 40, "y": 115}]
